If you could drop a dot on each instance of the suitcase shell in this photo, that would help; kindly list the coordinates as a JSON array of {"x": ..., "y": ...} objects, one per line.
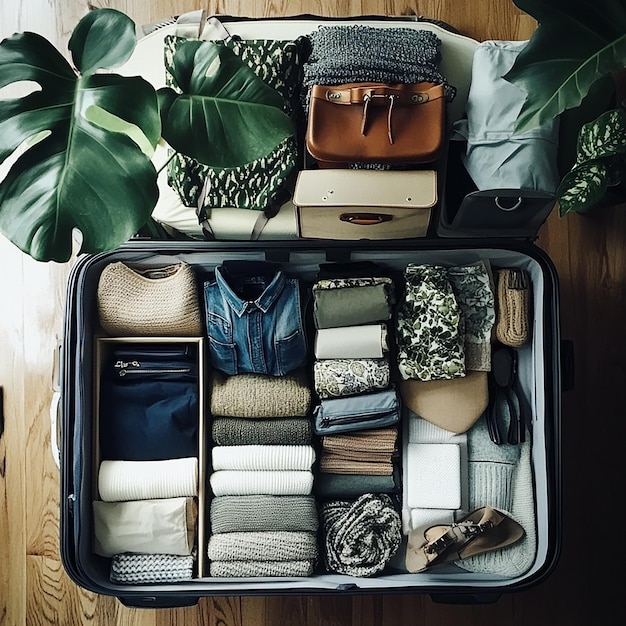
[
  {"x": 539, "y": 362},
  {"x": 541, "y": 373}
]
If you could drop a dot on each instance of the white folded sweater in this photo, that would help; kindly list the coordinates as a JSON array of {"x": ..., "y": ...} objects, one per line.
[{"x": 263, "y": 457}]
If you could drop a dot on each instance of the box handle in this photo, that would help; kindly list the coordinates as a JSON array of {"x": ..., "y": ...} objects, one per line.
[{"x": 365, "y": 219}]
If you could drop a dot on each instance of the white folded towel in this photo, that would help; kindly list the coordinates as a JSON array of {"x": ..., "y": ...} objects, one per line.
[
  {"x": 146, "y": 480},
  {"x": 433, "y": 476},
  {"x": 263, "y": 457},
  {"x": 265, "y": 482}
]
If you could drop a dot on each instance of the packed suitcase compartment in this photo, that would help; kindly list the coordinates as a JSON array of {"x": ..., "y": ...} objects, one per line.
[{"x": 376, "y": 417}]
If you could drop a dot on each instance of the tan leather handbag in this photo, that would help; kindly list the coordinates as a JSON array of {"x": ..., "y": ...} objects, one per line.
[{"x": 376, "y": 123}]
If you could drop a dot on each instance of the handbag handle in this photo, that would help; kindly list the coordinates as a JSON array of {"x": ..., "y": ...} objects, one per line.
[{"x": 365, "y": 219}]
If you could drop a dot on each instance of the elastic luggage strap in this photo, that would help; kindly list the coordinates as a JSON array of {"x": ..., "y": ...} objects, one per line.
[{"x": 204, "y": 215}]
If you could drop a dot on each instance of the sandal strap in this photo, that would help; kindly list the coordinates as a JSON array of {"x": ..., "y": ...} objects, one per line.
[{"x": 457, "y": 536}]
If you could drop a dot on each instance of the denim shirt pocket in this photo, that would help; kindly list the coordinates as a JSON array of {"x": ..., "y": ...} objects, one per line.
[
  {"x": 290, "y": 351},
  {"x": 222, "y": 347}
]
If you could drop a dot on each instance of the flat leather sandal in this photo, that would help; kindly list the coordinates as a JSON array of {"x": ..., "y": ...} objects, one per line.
[{"x": 483, "y": 530}]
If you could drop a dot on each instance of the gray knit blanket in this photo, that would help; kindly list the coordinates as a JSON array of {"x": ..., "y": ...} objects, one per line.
[{"x": 361, "y": 537}]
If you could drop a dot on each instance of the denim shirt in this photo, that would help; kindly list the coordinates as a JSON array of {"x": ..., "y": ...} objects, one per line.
[{"x": 254, "y": 319}]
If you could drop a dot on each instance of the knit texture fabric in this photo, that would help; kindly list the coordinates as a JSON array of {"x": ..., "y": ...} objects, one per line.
[
  {"x": 358, "y": 53},
  {"x": 249, "y": 458},
  {"x": 256, "y": 513},
  {"x": 261, "y": 482},
  {"x": 361, "y": 537},
  {"x": 252, "y": 569},
  {"x": 135, "y": 569},
  {"x": 240, "y": 431},
  {"x": 164, "y": 301},
  {"x": 380, "y": 440},
  {"x": 263, "y": 546},
  {"x": 332, "y": 464},
  {"x": 145, "y": 480},
  {"x": 501, "y": 476},
  {"x": 259, "y": 395}
]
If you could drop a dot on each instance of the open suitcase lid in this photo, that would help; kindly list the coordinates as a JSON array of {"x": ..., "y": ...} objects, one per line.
[{"x": 230, "y": 223}]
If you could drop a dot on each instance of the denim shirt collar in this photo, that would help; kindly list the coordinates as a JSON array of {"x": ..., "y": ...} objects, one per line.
[{"x": 264, "y": 302}]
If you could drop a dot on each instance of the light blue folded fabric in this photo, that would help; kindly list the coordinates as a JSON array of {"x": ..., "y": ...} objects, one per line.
[{"x": 496, "y": 157}]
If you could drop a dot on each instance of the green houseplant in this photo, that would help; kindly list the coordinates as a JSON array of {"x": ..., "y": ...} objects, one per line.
[
  {"x": 76, "y": 151},
  {"x": 577, "y": 44}
]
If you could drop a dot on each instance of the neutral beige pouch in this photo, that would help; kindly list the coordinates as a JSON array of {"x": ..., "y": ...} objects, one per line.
[
  {"x": 164, "y": 526},
  {"x": 364, "y": 204}
]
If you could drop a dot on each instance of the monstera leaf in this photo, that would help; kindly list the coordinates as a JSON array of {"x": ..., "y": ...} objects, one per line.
[
  {"x": 84, "y": 140},
  {"x": 576, "y": 43},
  {"x": 223, "y": 115}
]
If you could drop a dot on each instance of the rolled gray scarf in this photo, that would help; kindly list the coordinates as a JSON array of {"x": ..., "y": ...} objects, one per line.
[
  {"x": 360, "y": 537},
  {"x": 259, "y": 512},
  {"x": 241, "y": 431},
  {"x": 358, "y": 53}
]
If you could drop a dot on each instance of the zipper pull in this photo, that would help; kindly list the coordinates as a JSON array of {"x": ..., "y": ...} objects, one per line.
[{"x": 123, "y": 364}]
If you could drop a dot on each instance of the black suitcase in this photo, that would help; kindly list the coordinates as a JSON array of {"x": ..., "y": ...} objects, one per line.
[{"x": 540, "y": 370}]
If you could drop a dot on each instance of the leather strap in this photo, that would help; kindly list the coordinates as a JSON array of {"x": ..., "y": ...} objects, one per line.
[{"x": 378, "y": 93}]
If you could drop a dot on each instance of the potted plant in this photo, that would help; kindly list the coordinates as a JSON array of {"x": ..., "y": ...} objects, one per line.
[
  {"x": 577, "y": 44},
  {"x": 76, "y": 151}
]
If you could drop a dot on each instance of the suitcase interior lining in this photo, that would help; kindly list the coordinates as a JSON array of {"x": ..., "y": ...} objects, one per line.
[{"x": 535, "y": 378}]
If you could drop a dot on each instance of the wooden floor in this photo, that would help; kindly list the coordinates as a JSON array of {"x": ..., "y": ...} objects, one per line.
[{"x": 587, "y": 586}]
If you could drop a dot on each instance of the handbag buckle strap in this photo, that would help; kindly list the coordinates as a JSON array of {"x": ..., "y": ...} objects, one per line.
[{"x": 369, "y": 97}]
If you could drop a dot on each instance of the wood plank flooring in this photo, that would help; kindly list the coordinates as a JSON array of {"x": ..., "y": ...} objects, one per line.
[{"x": 590, "y": 256}]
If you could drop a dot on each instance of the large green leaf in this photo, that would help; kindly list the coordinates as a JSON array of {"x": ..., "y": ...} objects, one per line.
[
  {"x": 576, "y": 43},
  {"x": 224, "y": 115},
  {"x": 87, "y": 141}
]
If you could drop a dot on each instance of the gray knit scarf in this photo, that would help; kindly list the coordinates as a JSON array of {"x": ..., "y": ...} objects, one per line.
[
  {"x": 358, "y": 53},
  {"x": 360, "y": 537}
]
